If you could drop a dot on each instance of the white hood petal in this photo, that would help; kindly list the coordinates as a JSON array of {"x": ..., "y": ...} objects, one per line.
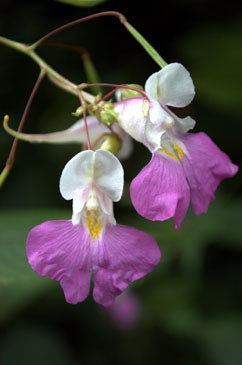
[
  {"x": 108, "y": 174},
  {"x": 77, "y": 174},
  {"x": 100, "y": 167},
  {"x": 172, "y": 85}
]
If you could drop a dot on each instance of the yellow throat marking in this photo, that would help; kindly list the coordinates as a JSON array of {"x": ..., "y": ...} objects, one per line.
[
  {"x": 178, "y": 152},
  {"x": 93, "y": 223}
]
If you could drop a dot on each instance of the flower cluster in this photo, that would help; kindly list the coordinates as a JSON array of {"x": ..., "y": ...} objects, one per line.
[{"x": 184, "y": 167}]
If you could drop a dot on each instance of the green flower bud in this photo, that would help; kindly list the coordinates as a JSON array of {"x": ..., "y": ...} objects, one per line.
[
  {"x": 78, "y": 112},
  {"x": 106, "y": 114},
  {"x": 128, "y": 93},
  {"x": 111, "y": 144}
]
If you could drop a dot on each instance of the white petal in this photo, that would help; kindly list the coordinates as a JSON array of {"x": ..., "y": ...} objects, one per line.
[
  {"x": 77, "y": 174},
  {"x": 99, "y": 167},
  {"x": 126, "y": 148},
  {"x": 183, "y": 125},
  {"x": 153, "y": 133},
  {"x": 158, "y": 115},
  {"x": 108, "y": 174},
  {"x": 127, "y": 145},
  {"x": 106, "y": 206},
  {"x": 79, "y": 200},
  {"x": 151, "y": 87},
  {"x": 132, "y": 116},
  {"x": 172, "y": 86}
]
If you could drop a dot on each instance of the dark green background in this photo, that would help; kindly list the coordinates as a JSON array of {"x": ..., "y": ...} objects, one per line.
[{"x": 191, "y": 303}]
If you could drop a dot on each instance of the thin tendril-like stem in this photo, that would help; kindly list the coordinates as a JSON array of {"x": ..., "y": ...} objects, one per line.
[
  {"x": 70, "y": 47},
  {"x": 116, "y": 86},
  {"x": 77, "y": 21},
  {"x": 85, "y": 118},
  {"x": 99, "y": 138},
  {"x": 138, "y": 36},
  {"x": 11, "y": 157},
  {"x": 108, "y": 94}
]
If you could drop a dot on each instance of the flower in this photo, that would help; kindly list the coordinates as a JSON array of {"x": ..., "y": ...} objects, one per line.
[
  {"x": 184, "y": 166},
  {"x": 126, "y": 311},
  {"x": 76, "y": 134},
  {"x": 91, "y": 243}
]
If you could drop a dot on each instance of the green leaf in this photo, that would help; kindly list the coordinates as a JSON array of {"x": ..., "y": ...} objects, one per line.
[{"x": 83, "y": 3}]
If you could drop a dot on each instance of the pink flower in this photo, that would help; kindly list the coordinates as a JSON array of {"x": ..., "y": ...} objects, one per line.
[
  {"x": 125, "y": 312},
  {"x": 184, "y": 166},
  {"x": 91, "y": 243}
]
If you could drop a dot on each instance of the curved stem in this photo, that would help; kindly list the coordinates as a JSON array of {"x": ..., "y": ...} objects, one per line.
[
  {"x": 116, "y": 86},
  {"x": 85, "y": 118},
  {"x": 139, "y": 38},
  {"x": 78, "y": 21},
  {"x": 11, "y": 157},
  {"x": 53, "y": 75},
  {"x": 99, "y": 138}
]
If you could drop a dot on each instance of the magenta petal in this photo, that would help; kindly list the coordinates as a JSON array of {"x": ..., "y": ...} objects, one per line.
[
  {"x": 62, "y": 251},
  {"x": 124, "y": 255},
  {"x": 205, "y": 169},
  {"x": 160, "y": 191}
]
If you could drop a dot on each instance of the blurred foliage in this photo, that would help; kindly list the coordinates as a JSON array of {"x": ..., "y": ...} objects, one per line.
[{"x": 191, "y": 303}]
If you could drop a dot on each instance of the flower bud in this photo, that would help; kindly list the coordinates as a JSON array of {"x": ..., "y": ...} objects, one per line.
[
  {"x": 106, "y": 114},
  {"x": 111, "y": 144},
  {"x": 129, "y": 93},
  {"x": 78, "y": 112}
]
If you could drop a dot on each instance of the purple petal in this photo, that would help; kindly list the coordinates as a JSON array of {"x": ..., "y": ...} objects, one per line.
[
  {"x": 205, "y": 169},
  {"x": 160, "y": 191},
  {"x": 62, "y": 251},
  {"x": 124, "y": 255}
]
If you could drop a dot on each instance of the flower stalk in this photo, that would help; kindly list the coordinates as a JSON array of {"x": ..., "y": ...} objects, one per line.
[
  {"x": 11, "y": 157},
  {"x": 139, "y": 38},
  {"x": 146, "y": 45}
]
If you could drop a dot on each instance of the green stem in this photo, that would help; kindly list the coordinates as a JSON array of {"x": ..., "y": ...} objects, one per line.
[
  {"x": 91, "y": 73},
  {"x": 4, "y": 175},
  {"x": 54, "y": 76},
  {"x": 146, "y": 45}
]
